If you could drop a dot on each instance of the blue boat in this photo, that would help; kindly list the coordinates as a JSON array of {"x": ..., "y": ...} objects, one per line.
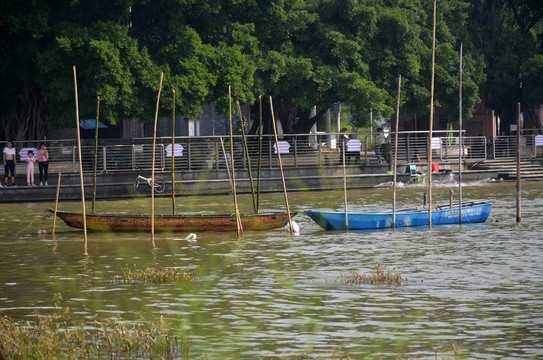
[{"x": 472, "y": 212}]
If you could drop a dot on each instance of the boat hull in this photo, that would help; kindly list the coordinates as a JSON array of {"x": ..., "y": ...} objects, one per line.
[
  {"x": 334, "y": 220},
  {"x": 175, "y": 223}
]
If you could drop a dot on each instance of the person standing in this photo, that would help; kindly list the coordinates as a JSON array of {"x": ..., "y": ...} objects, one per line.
[
  {"x": 387, "y": 152},
  {"x": 30, "y": 160},
  {"x": 9, "y": 163},
  {"x": 380, "y": 140},
  {"x": 43, "y": 164}
]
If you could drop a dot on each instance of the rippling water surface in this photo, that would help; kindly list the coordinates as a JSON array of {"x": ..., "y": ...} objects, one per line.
[{"x": 476, "y": 287}]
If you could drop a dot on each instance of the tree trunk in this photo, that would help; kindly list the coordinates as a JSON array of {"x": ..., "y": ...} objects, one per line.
[
  {"x": 29, "y": 122},
  {"x": 293, "y": 120}
]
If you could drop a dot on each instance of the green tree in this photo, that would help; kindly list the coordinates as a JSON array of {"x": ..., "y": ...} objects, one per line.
[
  {"x": 509, "y": 34},
  {"x": 109, "y": 64},
  {"x": 23, "y": 27},
  {"x": 43, "y": 40},
  {"x": 204, "y": 49},
  {"x": 304, "y": 53}
]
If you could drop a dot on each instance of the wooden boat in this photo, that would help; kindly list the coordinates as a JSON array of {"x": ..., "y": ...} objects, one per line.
[
  {"x": 472, "y": 212},
  {"x": 117, "y": 223}
]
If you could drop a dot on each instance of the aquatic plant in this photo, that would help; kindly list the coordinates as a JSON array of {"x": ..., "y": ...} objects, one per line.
[
  {"x": 380, "y": 275},
  {"x": 153, "y": 275},
  {"x": 53, "y": 337}
]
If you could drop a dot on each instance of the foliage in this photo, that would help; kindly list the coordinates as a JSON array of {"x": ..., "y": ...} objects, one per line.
[
  {"x": 56, "y": 337},
  {"x": 509, "y": 35},
  {"x": 109, "y": 64},
  {"x": 304, "y": 53}
]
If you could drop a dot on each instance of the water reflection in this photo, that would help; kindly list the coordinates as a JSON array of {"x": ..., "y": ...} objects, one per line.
[{"x": 477, "y": 286}]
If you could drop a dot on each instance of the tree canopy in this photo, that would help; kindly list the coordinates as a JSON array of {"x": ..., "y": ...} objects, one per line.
[{"x": 304, "y": 53}]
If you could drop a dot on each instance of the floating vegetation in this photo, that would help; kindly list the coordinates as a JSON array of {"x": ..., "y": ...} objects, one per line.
[
  {"x": 380, "y": 275},
  {"x": 52, "y": 337},
  {"x": 153, "y": 275}
]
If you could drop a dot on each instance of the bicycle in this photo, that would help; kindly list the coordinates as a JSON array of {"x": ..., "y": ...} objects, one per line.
[{"x": 159, "y": 185}]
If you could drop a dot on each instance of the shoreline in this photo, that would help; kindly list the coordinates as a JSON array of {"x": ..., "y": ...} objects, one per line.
[{"x": 205, "y": 182}]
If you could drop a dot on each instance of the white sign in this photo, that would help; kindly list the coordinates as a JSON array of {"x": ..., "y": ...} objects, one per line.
[
  {"x": 284, "y": 147},
  {"x": 177, "y": 152}
]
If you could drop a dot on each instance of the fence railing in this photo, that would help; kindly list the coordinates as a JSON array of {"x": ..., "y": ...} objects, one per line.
[{"x": 213, "y": 152}]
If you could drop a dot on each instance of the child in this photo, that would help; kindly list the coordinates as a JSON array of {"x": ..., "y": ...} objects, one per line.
[{"x": 30, "y": 160}]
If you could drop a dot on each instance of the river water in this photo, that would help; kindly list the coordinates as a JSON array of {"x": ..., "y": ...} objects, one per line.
[{"x": 475, "y": 289}]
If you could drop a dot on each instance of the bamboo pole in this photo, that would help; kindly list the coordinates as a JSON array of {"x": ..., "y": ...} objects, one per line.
[
  {"x": 431, "y": 125},
  {"x": 173, "y": 154},
  {"x": 248, "y": 157},
  {"x": 519, "y": 215},
  {"x": 394, "y": 162},
  {"x": 153, "y": 168},
  {"x": 238, "y": 219},
  {"x": 281, "y": 167},
  {"x": 80, "y": 161},
  {"x": 460, "y": 149},
  {"x": 345, "y": 189},
  {"x": 56, "y": 203},
  {"x": 95, "y": 153},
  {"x": 259, "y": 154},
  {"x": 226, "y": 162}
]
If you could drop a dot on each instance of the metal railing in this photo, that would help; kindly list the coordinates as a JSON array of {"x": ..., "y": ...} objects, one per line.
[{"x": 206, "y": 152}]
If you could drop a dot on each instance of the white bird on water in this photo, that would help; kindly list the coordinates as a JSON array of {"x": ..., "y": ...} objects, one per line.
[{"x": 191, "y": 237}]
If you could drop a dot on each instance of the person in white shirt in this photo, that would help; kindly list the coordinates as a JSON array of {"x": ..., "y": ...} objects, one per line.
[
  {"x": 353, "y": 149},
  {"x": 9, "y": 163}
]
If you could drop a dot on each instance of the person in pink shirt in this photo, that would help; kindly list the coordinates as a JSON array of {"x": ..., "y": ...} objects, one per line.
[
  {"x": 43, "y": 163},
  {"x": 30, "y": 160}
]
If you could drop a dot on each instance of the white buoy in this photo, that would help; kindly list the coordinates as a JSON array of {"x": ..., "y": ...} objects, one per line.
[
  {"x": 295, "y": 228},
  {"x": 42, "y": 232},
  {"x": 191, "y": 237}
]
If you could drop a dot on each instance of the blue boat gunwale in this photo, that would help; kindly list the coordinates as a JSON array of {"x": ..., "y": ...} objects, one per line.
[
  {"x": 409, "y": 210},
  {"x": 443, "y": 214}
]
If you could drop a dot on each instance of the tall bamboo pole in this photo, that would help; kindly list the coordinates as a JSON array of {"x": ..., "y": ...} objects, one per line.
[
  {"x": 394, "y": 163},
  {"x": 238, "y": 218},
  {"x": 56, "y": 203},
  {"x": 345, "y": 188},
  {"x": 80, "y": 161},
  {"x": 431, "y": 125},
  {"x": 460, "y": 148},
  {"x": 173, "y": 153},
  {"x": 95, "y": 152},
  {"x": 259, "y": 154},
  {"x": 226, "y": 162},
  {"x": 519, "y": 215},
  {"x": 281, "y": 167},
  {"x": 371, "y": 124},
  {"x": 248, "y": 157},
  {"x": 153, "y": 169}
]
